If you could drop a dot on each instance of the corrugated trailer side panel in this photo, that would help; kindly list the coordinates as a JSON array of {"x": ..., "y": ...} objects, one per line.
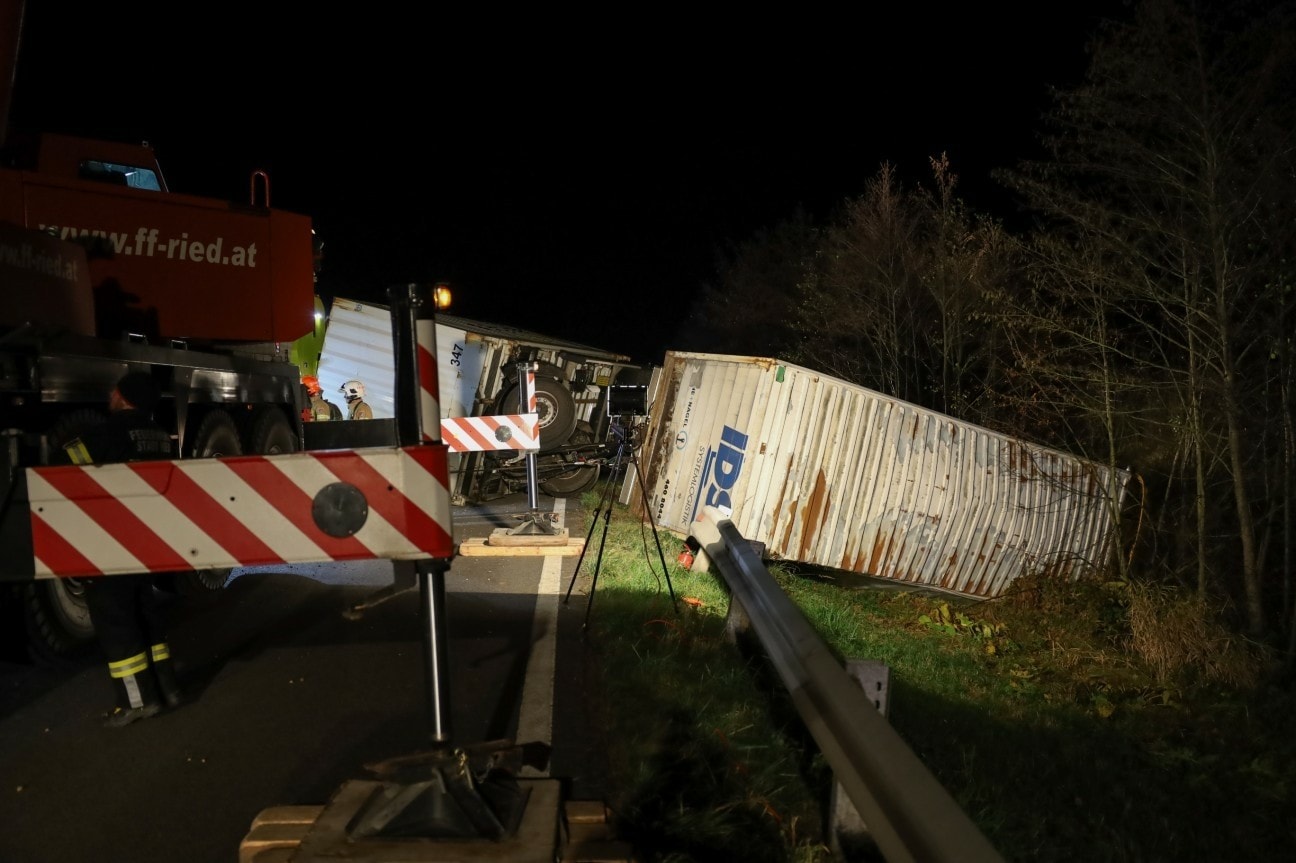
[{"x": 833, "y": 474}]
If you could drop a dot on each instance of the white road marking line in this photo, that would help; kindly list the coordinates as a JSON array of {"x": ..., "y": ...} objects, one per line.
[{"x": 535, "y": 719}]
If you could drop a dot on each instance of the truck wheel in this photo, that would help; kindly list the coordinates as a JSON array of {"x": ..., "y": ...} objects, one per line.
[
  {"x": 554, "y": 406},
  {"x": 216, "y": 436},
  {"x": 56, "y": 618},
  {"x": 272, "y": 435},
  {"x": 574, "y": 482}
]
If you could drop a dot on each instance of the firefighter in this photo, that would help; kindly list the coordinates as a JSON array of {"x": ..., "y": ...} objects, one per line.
[
  {"x": 126, "y": 609},
  {"x": 354, "y": 392},
  {"x": 320, "y": 407}
]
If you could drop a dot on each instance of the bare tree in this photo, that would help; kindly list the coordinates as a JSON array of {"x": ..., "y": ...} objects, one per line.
[
  {"x": 1167, "y": 198},
  {"x": 894, "y": 297},
  {"x": 746, "y": 311}
]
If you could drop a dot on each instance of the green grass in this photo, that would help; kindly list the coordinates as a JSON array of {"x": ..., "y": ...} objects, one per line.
[{"x": 1060, "y": 733}]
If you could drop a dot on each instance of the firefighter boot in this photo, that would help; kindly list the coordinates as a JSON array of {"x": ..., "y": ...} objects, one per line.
[
  {"x": 165, "y": 673},
  {"x": 137, "y": 696}
]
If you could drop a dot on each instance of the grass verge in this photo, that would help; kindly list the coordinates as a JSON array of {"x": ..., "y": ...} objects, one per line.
[{"x": 1070, "y": 721}]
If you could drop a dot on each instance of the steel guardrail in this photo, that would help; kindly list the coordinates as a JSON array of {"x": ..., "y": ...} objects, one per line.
[{"x": 909, "y": 815}]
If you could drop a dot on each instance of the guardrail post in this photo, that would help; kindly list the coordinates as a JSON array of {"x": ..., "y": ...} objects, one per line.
[
  {"x": 738, "y": 625},
  {"x": 848, "y": 834}
]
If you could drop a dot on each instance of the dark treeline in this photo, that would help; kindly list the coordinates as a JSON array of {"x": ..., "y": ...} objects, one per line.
[{"x": 1144, "y": 318}]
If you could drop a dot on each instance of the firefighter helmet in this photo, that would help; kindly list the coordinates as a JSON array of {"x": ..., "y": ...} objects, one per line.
[
  {"x": 312, "y": 385},
  {"x": 353, "y": 390}
]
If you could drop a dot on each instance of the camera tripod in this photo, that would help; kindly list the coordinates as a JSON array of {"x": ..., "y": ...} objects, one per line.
[{"x": 624, "y": 456}]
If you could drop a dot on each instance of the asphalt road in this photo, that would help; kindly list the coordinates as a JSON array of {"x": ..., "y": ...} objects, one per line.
[{"x": 288, "y": 699}]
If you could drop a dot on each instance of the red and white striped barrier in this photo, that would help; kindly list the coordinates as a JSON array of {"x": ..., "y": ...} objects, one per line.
[
  {"x": 529, "y": 393},
  {"x": 304, "y": 507},
  {"x": 476, "y": 434},
  {"x": 429, "y": 381}
]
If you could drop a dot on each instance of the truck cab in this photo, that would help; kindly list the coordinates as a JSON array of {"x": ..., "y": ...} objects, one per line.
[
  {"x": 164, "y": 266},
  {"x": 117, "y": 164}
]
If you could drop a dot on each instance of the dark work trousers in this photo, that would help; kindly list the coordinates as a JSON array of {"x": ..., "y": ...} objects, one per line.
[{"x": 128, "y": 618}]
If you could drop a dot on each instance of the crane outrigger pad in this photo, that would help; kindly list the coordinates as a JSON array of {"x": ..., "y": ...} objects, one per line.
[{"x": 325, "y": 838}]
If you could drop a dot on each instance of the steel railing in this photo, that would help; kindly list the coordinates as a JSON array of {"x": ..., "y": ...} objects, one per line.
[{"x": 908, "y": 814}]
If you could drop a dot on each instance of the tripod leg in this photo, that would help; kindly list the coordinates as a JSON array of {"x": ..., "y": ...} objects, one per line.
[
  {"x": 604, "y": 499},
  {"x": 598, "y": 561},
  {"x": 647, "y": 505}
]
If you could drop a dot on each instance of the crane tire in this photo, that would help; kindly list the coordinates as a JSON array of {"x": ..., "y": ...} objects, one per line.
[
  {"x": 217, "y": 435},
  {"x": 271, "y": 433},
  {"x": 56, "y": 620}
]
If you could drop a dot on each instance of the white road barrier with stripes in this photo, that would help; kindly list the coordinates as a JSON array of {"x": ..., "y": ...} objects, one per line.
[
  {"x": 502, "y": 432},
  {"x": 240, "y": 511},
  {"x": 475, "y": 434}
]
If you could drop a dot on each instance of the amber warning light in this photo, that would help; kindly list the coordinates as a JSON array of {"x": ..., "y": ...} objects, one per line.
[{"x": 441, "y": 296}]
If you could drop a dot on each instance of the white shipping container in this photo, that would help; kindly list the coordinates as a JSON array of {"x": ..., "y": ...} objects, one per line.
[{"x": 832, "y": 474}]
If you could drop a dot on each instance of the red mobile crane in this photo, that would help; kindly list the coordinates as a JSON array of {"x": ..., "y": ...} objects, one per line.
[{"x": 104, "y": 270}]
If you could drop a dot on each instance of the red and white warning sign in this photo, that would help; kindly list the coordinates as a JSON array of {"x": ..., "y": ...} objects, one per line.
[
  {"x": 240, "y": 511},
  {"x": 476, "y": 434}
]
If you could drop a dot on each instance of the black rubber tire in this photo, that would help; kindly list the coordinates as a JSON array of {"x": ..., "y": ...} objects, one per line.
[
  {"x": 554, "y": 406},
  {"x": 216, "y": 436},
  {"x": 572, "y": 483},
  {"x": 575, "y": 481},
  {"x": 54, "y": 614},
  {"x": 272, "y": 434},
  {"x": 56, "y": 619}
]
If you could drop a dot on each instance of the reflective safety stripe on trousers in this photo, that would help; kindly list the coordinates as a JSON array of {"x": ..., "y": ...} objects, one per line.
[{"x": 309, "y": 507}]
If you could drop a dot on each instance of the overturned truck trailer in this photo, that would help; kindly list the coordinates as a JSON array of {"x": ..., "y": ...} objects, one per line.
[
  {"x": 477, "y": 364},
  {"x": 832, "y": 474}
]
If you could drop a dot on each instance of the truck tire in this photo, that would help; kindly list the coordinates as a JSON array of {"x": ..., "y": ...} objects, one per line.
[
  {"x": 271, "y": 433},
  {"x": 216, "y": 436},
  {"x": 574, "y": 482},
  {"x": 554, "y": 406},
  {"x": 56, "y": 619}
]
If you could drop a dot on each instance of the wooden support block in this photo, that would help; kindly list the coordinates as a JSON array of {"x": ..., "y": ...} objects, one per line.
[
  {"x": 585, "y": 812},
  {"x": 590, "y": 838},
  {"x": 483, "y": 548},
  {"x": 287, "y": 815},
  {"x": 504, "y": 536},
  {"x": 277, "y": 833}
]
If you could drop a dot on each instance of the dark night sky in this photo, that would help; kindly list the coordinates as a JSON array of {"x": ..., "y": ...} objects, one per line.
[{"x": 571, "y": 176}]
